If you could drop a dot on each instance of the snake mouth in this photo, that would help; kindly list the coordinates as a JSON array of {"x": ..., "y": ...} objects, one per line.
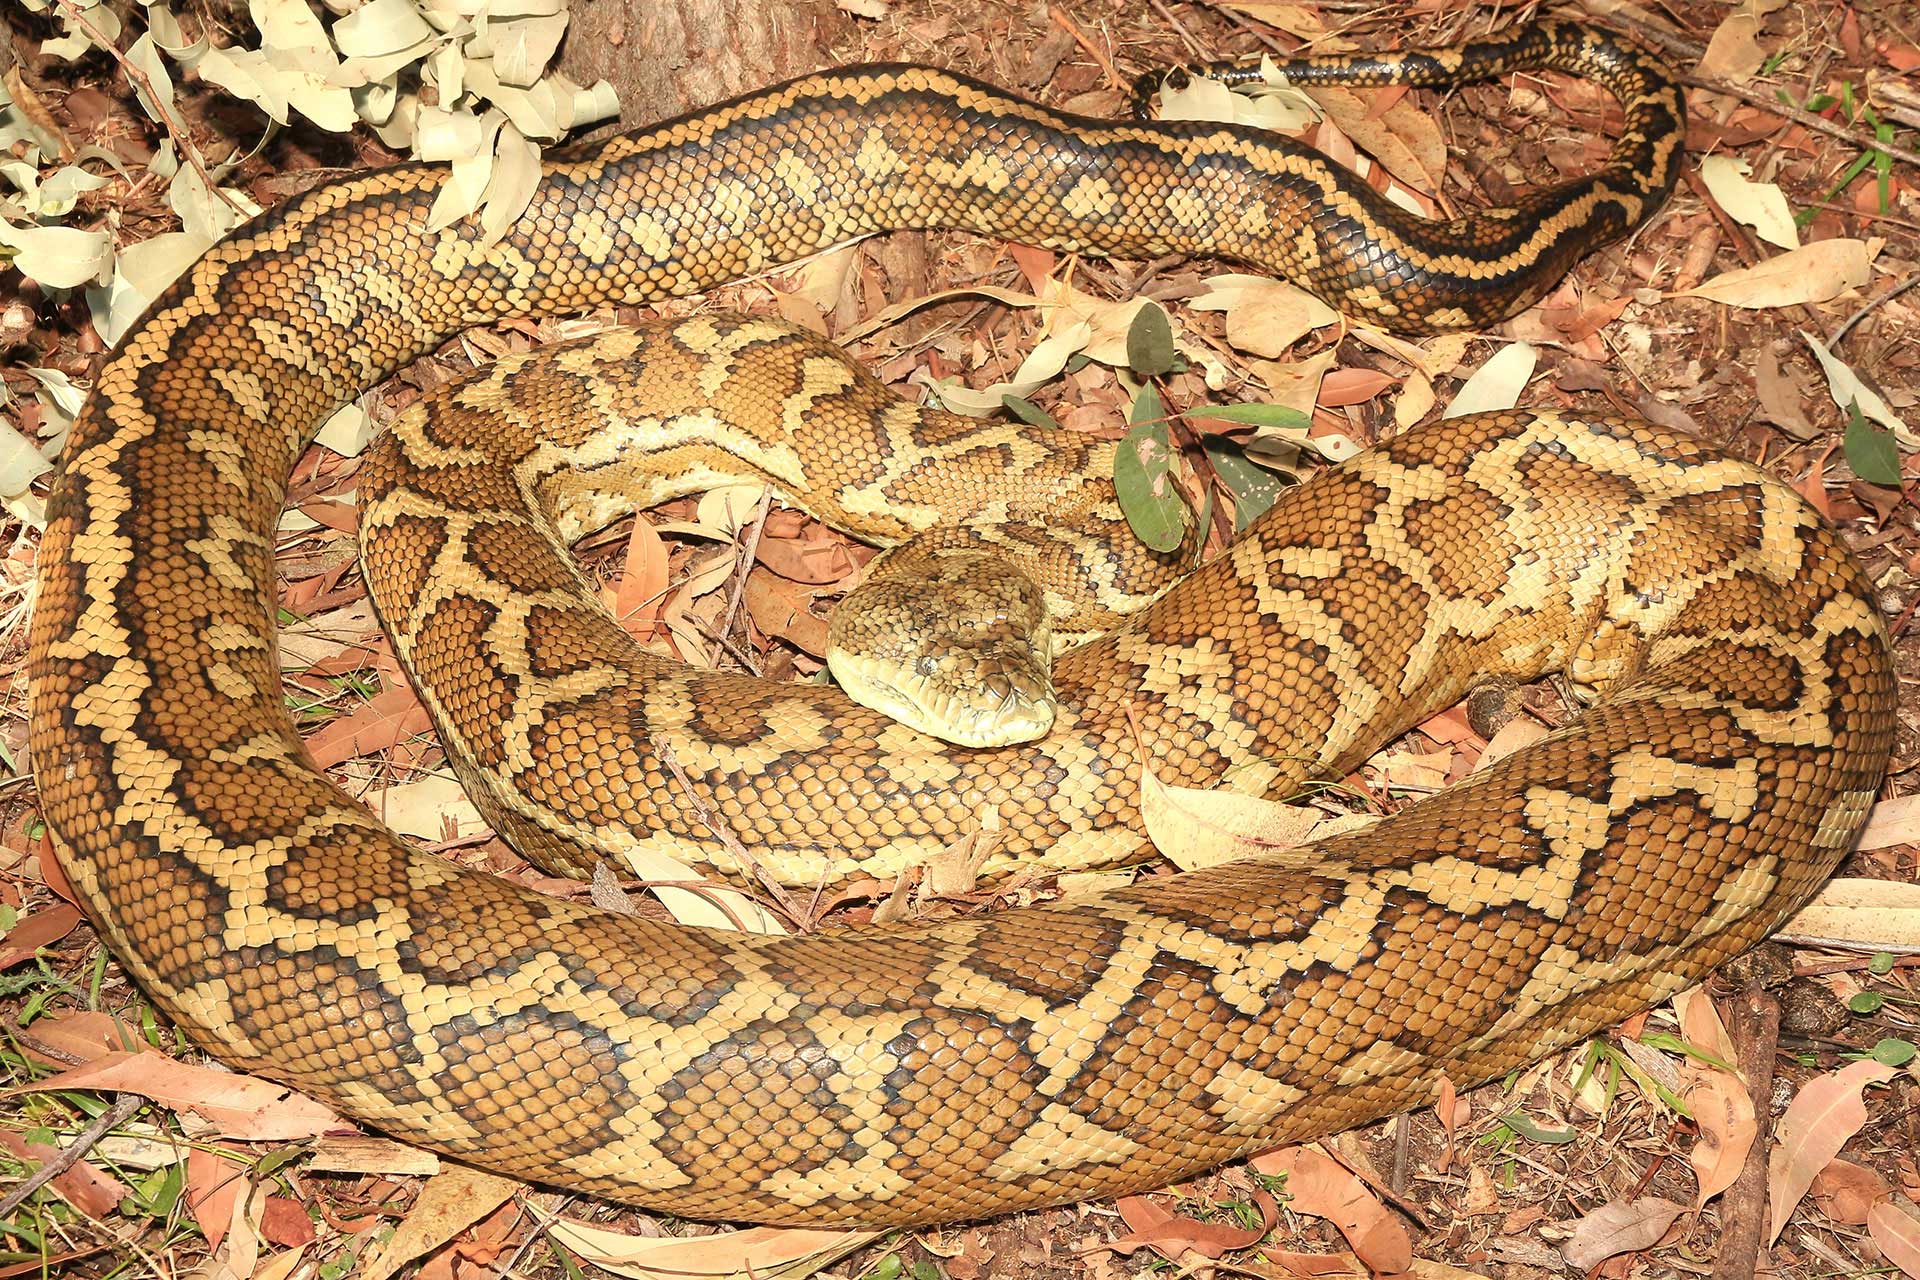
[{"x": 1004, "y": 710}]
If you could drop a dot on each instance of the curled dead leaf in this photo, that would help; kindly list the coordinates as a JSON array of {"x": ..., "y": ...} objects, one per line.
[
  {"x": 1623, "y": 1226},
  {"x": 453, "y": 1200},
  {"x": 1894, "y": 1225},
  {"x": 1174, "y": 1235},
  {"x": 1847, "y": 1192},
  {"x": 1318, "y": 1184},
  {"x": 1723, "y": 1109},
  {"x": 239, "y": 1106},
  {"x": 1816, "y": 272},
  {"x": 761, "y": 1253},
  {"x": 1826, "y": 1112},
  {"x": 1197, "y": 828}
]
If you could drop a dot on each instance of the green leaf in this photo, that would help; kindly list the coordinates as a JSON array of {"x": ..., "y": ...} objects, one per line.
[
  {"x": 1670, "y": 1043},
  {"x": 1894, "y": 1053},
  {"x": 1881, "y": 963},
  {"x": 1866, "y": 1002},
  {"x": 1259, "y": 415},
  {"x": 1254, "y": 488},
  {"x": 1029, "y": 412},
  {"x": 274, "y": 1161},
  {"x": 1870, "y": 449},
  {"x": 1150, "y": 342},
  {"x": 1534, "y": 1133},
  {"x": 1143, "y": 477}
]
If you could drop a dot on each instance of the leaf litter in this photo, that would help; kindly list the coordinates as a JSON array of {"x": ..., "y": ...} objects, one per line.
[{"x": 1248, "y": 341}]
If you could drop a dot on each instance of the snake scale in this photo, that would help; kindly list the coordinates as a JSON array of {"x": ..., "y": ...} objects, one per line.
[{"x": 1040, "y": 1055}]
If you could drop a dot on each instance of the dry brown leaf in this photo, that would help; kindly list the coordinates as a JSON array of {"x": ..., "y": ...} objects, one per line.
[
  {"x": 1264, "y": 317},
  {"x": 1320, "y": 1185},
  {"x": 1734, "y": 53},
  {"x": 1295, "y": 384},
  {"x": 1825, "y": 1113},
  {"x": 1877, "y": 915},
  {"x": 385, "y": 720},
  {"x": 1781, "y": 402},
  {"x": 758, "y": 1253},
  {"x": 1700, "y": 1024},
  {"x": 1723, "y": 1109},
  {"x": 636, "y": 600},
  {"x": 1848, "y": 390},
  {"x": 1425, "y": 770},
  {"x": 782, "y": 608},
  {"x": 1894, "y": 1225},
  {"x": 1818, "y": 272},
  {"x": 36, "y": 930},
  {"x": 432, "y": 808},
  {"x": 1623, "y": 1226},
  {"x": 1403, "y": 138},
  {"x": 84, "y": 1034},
  {"x": 1891, "y": 822},
  {"x": 1415, "y": 401},
  {"x": 284, "y": 1223},
  {"x": 88, "y": 1188},
  {"x": 453, "y": 1200},
  {"x": 1454, "y": 1112},
  {"x": 239, "y": 1106},
  {"x": 359, "y": 1153},
  {"x": 1195, "y": 828},
  {"x": 1353, "y": 386},
  {"x": 1497, "y": 384},
  {"x": 802, "y": 551},
  {"x": 1846, "y": 1192},
  {"x": 280, "y": 1265},
  {"x": 239, "y": 1251},
  {"x": 1760, "y": 205},
  {"x": 215, "y": 1184},
  {"x": 1302, "y": 20},
  {"x": 1521, "y": 731},
  {"x": 1173, "y": 1235}
]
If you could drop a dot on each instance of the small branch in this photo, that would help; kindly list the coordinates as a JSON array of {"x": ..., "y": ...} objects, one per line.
[
  {"x": 1806, "y": 119},
  {"x": 1755, "y": 1029},
  {"x": 124, "y": 1105},
  {"x": 724, "y": 834},
  {"x": 1686, "y": 49},
  {"x": 144, "y": 82},
  {"x": 748, "y": 550},
  {"x": 1887, "y": 294},
  {"x": 1068, "y": 25}
]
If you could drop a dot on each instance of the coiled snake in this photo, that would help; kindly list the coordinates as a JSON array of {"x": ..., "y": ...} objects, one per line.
[{"x": 975, "y": 1066}]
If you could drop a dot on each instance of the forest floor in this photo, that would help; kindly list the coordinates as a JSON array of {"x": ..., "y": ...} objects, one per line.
[{"x": 1622, "y": 1158}]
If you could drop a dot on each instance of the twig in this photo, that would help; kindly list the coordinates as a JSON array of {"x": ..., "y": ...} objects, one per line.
[
  {"x": 1402, "y": 1152},
  {"x": 1743, "y": 1210},
  {"x": 144, "y": 82},
  {"x": 1806, "y": 119},
  {"x": 724, "y": 834},
  {"x": 1887, "y": 294},
  {"x": 1687, "y": 49},
  {"x": 1072, "y": 28},
  {"x": 748, "y": 551},
  {"x": 1194, "y": 46},
  {"x": 124, "y": 1105}
]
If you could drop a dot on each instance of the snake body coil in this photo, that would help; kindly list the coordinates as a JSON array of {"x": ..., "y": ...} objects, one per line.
[{"x": 968, "y": 1067}]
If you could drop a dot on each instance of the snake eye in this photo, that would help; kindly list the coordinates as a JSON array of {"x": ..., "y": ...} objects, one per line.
[{"x": 924, "y": 665}]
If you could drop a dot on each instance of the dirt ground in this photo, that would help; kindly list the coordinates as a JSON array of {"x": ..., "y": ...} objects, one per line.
[{"x": 1521, "y": 1179}]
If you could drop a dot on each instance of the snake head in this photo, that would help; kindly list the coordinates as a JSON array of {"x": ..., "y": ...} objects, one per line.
[
  {"x": 957, "y": 647},
  {"x": 972, "y": 696}
]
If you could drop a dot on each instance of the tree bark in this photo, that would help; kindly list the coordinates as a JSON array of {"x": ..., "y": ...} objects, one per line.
[{"x": 664, "y": 57}]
